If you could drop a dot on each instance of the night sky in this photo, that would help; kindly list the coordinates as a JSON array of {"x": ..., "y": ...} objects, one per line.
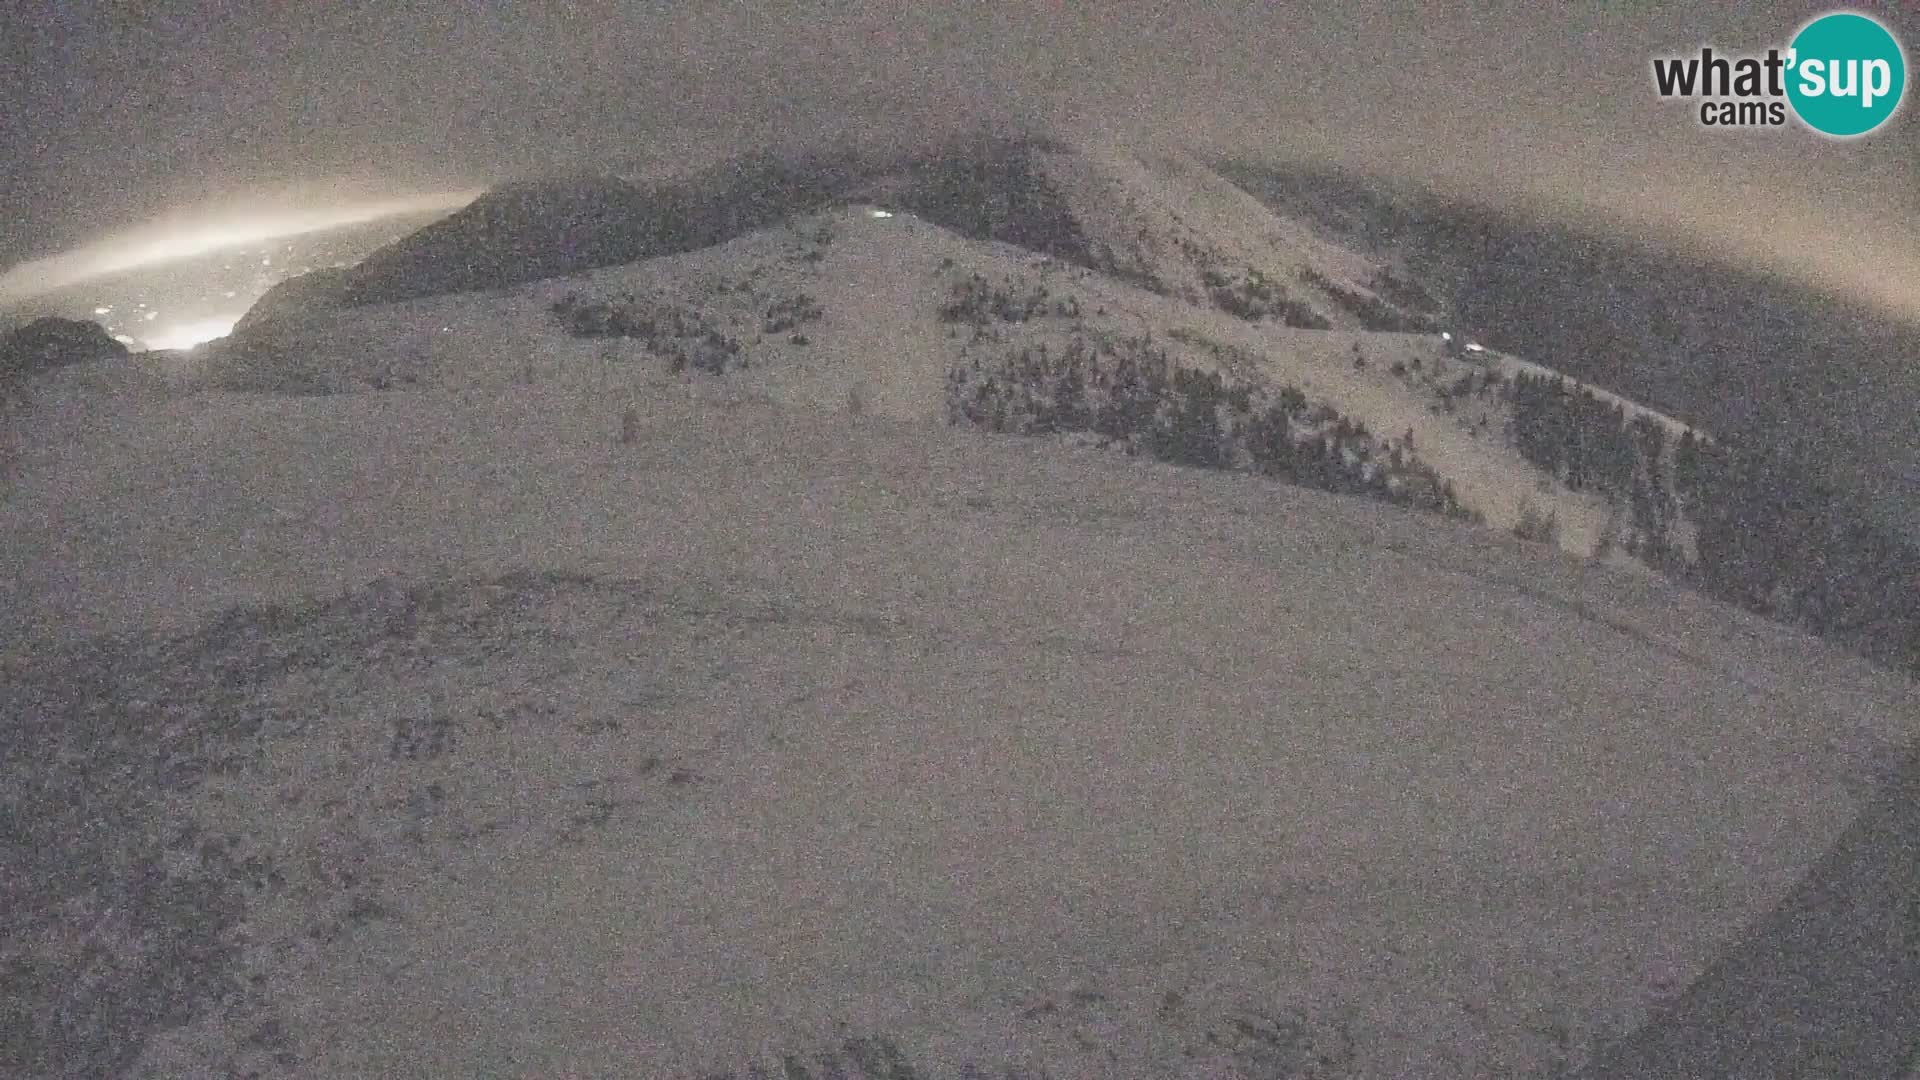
[{"x": 118, "y": 113}]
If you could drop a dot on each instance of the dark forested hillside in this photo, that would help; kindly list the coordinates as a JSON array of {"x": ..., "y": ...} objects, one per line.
[
  {"x": 984, "y": 189},
  {"x": 549, "y": 228},
  {"x": 1771, "y": 533},
  {"x": 1832, "y": 383},
  {"x": 1798, "y": 507}
]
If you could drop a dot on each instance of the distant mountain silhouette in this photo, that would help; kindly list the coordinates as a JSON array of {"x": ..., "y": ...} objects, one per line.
[
  {"x": 992, "y": 189},
  {"x": 320, "y": 289},
  {"x": 983, "y": 188},
  {"x": 52, "y": 342}
]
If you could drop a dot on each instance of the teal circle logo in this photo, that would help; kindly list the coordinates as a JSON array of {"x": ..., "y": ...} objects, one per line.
[{"x": 1846, "y": 74}]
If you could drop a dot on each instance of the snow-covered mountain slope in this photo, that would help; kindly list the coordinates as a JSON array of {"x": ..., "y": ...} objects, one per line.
[
  {"x": 776, "y": 734},
  {"x": 1169, "y": 218},
  {"x": 868, "y": 294}
]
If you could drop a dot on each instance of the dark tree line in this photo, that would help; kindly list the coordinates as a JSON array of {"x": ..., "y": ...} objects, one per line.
[
  {"x": 977, "y": 303},
  {"x": 1403, "y": 291},
  {"x": 1130, "y": 393},
  {"x": 683, "y": 336},
  {"x": 1778, "y": 538},
  {"x": 1254, "y": 297},
  {"x": 1771, "y": 533},
  {"x": 1374, "y": 312},
  {"x": 784, "y": 315},
  {"x": 1589, "y": 444}
]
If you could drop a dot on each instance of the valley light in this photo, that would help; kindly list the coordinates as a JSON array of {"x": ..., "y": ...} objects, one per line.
[
  {"x": 1474, "y": 346},
  {"x": 879, "y": 213},
  {"x": 180, "y": 239},
  {"x": 188, "y": 335}
]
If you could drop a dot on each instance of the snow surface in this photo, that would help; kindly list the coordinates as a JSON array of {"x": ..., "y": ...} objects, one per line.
[{"x": 1008, "y": 754}]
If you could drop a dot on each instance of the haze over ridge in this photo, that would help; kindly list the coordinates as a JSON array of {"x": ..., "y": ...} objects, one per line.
[{"x": 1499, "y": 101}]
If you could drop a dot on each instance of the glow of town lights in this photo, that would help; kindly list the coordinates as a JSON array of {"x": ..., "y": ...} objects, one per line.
[
  {"x": 189, "y": 334},
  {"x": 179, "y": 240}
]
